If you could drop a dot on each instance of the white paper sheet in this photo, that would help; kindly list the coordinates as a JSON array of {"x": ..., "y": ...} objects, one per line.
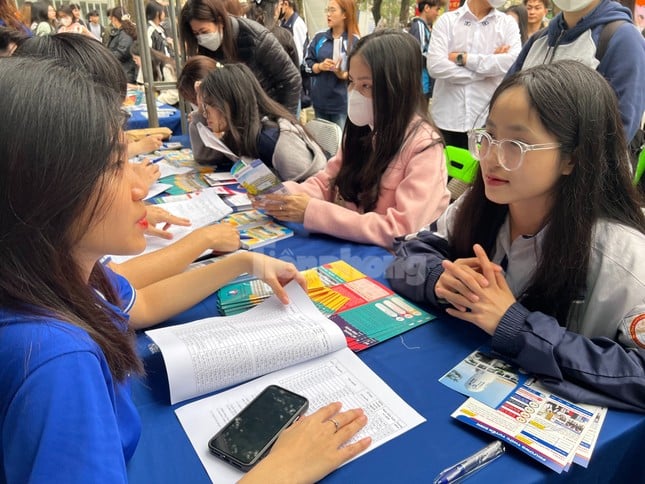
[
  {"x": 340, "y": 376},
  {"x": 213, "y": 353}
]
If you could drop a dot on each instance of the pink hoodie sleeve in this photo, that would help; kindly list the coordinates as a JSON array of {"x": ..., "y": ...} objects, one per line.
[
  {"x": 318, "y": 185},
  {"x": 413, "y": 194}
]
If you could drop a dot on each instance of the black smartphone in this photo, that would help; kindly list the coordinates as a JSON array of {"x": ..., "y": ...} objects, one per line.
[{"x": 248, "y": 437}]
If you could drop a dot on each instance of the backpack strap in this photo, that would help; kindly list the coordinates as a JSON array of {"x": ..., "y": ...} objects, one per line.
[{"x": 605, "y": 36}]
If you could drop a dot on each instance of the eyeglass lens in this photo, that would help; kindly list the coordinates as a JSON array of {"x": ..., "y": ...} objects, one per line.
[{"x": 509, "y": 153}]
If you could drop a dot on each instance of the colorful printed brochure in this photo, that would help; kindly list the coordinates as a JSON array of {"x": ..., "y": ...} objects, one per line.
[
  {"x": 257, "y": 229},
  {"x": 515, "y": 408},
  {"x": 366, "y": 311},
  {"x": 257, "y": 178}
]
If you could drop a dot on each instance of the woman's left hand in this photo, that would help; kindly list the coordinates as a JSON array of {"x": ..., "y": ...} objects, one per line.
[
  {"x": 276, "y": 274},
  {"x": 486, "y": 309},
  {"x": 289, "y": 208},
  {"x": 312, "y": 447}
]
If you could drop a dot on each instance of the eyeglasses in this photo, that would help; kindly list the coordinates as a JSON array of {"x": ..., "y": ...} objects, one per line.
[
  {"x": 510, "y": 153},
  {"x": 330, "y": 10}
]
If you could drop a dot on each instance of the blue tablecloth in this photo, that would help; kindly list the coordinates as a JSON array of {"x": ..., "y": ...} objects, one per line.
[
  {"x": 411, "y": 364},
  {"x": 169, "y": 117}
]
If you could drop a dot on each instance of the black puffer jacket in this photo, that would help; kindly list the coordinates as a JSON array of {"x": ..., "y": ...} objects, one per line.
[
  {"x": 119, "y": 44},
  {"x": 263, "y": 54}
]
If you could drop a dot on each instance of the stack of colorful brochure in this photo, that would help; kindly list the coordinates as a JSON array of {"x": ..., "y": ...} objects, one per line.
[
  {"x": 257, "y": 229},
  {"x": 512, "y": 406},
  {"x": 366, "y": 311}
]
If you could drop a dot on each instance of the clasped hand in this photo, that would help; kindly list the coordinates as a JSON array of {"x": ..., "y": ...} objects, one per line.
[{"x": 477, "y": 290}]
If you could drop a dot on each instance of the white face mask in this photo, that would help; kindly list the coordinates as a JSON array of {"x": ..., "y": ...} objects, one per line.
[
  {"x": 496, "y": 3},
  {"x": 66, "y": 21},
  {"x": 572, "y": 5},
  {"x": 359, "y": 109},
  {"x": 210, "y": 41}
]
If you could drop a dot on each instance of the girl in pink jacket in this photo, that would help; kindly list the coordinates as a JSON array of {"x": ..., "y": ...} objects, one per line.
[{"x": 389, "y": 178}]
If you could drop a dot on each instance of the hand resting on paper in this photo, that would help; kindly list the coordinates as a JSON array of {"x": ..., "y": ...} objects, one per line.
[
  {"x": 156, "y": 215},
  {"x": 312, "y": 447},
  {"x": 147, "y": 269},
  {"x": 220, "y": 238},
  {"x": 145, "y": 145}
]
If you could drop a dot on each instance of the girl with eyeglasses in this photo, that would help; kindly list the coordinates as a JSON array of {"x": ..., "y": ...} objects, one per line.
[
  {"x": 206, "y": 28},
  {"x": 545, "y": 252},
  {"x": 389, "y": 176}
]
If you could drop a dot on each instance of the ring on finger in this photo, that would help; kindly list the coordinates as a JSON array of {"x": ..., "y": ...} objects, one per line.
[{"x": 336, "y": 424}]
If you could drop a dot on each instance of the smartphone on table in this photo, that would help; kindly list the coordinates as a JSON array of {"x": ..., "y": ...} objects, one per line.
[{"x": 248, "y": 437}]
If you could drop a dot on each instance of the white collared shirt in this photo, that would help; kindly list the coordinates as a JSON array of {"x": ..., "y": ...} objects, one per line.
[{"x": 461, "y": 94}]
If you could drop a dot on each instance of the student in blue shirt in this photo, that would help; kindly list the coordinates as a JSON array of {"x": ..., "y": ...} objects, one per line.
[
  {"x": 66, "y": 350},
  {"x": 545, "y": 252}
]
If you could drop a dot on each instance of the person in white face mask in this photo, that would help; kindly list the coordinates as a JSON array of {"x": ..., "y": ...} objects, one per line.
[
  {"x": 206, "y": 28},
  {"x": 389, "y": 177},
  {"x": 68, "y": 23},
  {"x": 577, "y": 33},
  {"x": 470, "y": 51}
]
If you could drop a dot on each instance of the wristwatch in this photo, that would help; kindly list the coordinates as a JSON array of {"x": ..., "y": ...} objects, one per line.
[{"x": 460, "y": 61}]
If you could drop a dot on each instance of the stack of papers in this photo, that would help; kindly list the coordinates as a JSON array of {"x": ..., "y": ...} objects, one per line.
[{"x": 515, "y": 408}]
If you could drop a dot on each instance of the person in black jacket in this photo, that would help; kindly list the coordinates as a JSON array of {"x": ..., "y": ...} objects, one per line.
[
  {"x": 122, "y": 35},
  {"x": 206, "y": 28},
  {"x": 265, "y": 12}
]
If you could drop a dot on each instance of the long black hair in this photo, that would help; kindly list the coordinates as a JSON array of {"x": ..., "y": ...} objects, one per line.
[
  {"x": 234, "y": 91},
  {"x": 50, "y": 186},
  {"x": 579, "y": 108},
  {"x": 395, "y": 60},
  {"x": 207, "y": 11},
  {"x": 81, "y": 51}
]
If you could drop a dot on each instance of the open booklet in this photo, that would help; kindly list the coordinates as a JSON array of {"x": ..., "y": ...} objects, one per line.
[
  {"x": 253, "y": 175},
  {"x": 293, "y": 346}
]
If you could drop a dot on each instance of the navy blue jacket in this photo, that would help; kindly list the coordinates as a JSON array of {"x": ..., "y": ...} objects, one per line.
[
  {"x": 623, "y": 63},
  {"x": 328, "y": 92}
]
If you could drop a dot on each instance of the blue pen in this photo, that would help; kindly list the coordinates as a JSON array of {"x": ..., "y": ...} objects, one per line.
[
  {"x": 157, "y": 159},
  {"x": 469, "y": 465}
]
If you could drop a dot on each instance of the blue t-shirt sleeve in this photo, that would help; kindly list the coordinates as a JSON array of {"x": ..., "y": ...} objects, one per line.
[
  {"x": 61, "y": 425},
  {"x": 124, "y": 289}
]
